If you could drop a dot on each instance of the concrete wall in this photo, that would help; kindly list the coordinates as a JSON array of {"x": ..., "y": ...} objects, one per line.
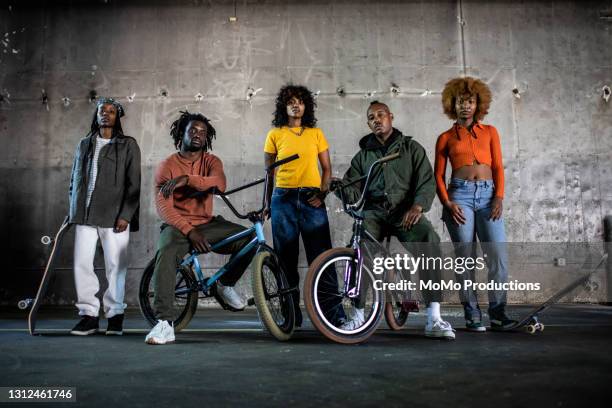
[{"x": 556, "y": 139}]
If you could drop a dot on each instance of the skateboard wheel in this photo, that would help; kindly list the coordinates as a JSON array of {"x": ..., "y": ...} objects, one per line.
[
  {"x": 531, "y": 329},
  {"x": 24, "y": 304},
  {"x": 45, "y": 240},
  {"x": 541, "y": 327}
]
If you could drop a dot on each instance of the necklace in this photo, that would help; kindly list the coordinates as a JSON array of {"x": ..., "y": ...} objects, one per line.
[{"x": 297, "y": 133}]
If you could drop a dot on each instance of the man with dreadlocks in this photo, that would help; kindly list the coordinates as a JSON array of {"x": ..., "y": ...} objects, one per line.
[
  {"x": 104, "y": 203},
  {"x": 185, "y": 206}
]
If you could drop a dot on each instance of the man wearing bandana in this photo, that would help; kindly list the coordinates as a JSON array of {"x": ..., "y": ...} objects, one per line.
[{"x": 104, "y": 203}]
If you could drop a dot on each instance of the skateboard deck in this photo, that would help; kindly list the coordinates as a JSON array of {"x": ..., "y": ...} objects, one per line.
[
  {"x": 49, "y": 268},
  {"x": 530, "y": 321}
]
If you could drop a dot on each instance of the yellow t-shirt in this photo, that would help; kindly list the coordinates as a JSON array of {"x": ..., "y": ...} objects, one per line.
[{"x": 302, "y": 172}]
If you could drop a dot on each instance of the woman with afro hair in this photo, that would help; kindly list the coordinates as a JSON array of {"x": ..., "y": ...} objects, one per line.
[
  {"x": 297, "y": 205},
  {"x": 473, "y": 201}
]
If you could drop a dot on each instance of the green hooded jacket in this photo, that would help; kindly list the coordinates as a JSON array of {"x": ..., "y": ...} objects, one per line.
[{"x": 404, "y": 182}]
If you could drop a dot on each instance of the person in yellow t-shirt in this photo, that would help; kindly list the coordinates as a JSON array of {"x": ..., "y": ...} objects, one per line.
[{"x": 297, "y": 205}]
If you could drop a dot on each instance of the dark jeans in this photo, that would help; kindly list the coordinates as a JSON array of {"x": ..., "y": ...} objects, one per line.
[
  {"x": 173, "y": 246},
  {"x": 292, "y": 216}
]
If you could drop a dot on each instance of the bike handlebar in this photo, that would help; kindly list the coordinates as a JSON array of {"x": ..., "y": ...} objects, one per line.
[
  {"x": 368, "y": 178},
  {"x": 229, "y": 192},
  {"x": 388, "y": 158},
  {"x": 224, "y": 195},
  {"x": 379, "y": 161},
  {"x": 283, "y": 161}
]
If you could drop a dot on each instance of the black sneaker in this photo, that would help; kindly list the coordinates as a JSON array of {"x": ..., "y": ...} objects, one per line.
[
  {"x": 115, "y": 325},
  {"x": 501, "y": 322},
  {"x": 86, "y": 326},
  {"x": 475, "y": 326}
]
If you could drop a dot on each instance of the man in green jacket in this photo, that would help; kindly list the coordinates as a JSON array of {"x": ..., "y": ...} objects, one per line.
[{"x": 397, "y": 199}]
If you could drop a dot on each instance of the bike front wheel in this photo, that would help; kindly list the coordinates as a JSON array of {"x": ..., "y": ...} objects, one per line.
[
  {"x": 341, "y": 317},
  {"x": 272, "y": 295},
  {"x": 185, "y": 300}
]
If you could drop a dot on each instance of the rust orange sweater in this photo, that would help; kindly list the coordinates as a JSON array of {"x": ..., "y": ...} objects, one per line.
[
  {"x": 180, "y": 209},
  {"x": 464, "y": 148}
]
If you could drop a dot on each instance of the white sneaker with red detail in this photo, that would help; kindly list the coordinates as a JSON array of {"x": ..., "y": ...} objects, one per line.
[{"x": 162, "y": 333}]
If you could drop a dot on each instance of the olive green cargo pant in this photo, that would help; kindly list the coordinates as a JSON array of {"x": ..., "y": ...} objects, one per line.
[{"x": 173, "y": 246}]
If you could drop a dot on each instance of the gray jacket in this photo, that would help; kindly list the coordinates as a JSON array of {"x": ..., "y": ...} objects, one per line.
[{"x": 117, "y": 191}]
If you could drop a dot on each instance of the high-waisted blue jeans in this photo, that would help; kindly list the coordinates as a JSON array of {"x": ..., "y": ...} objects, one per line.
[
  {"x": 292, "y": 216},
  {"x": 474, "y": 198}
]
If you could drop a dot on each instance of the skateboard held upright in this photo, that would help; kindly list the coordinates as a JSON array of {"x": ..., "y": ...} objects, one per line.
[{"x": 44, "y": 282}]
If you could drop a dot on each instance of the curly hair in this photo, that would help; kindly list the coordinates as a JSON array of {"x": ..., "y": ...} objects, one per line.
[
  {"x": 282, "y": 99},
  {"x": 466, "y": 86},
  {"x": 177, "y": 129}
]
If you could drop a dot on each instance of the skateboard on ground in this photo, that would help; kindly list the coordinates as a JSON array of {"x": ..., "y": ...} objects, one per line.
[
  {"x": 530, "y": 321},
  {"x": 44, "y": 282}
]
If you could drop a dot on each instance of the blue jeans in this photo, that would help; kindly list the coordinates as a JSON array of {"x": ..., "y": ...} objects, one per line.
[
  {"x": 474, "y": 198},
  {"x": 292, "y": 216}
]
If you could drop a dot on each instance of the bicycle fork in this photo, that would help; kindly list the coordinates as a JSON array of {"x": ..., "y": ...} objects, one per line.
[{"x": 353, "y": 292}]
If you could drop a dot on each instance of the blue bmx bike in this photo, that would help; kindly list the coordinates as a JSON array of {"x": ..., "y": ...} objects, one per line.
[{"x": 271, "y": 292}]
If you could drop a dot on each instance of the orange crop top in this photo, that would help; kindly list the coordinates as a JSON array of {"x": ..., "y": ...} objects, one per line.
[{"x": 463, "y": 148}]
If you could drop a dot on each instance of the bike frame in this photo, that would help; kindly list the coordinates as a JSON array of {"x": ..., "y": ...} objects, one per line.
[
  {"x": 205, "y": 284},
  {"x": 355, "y": 211},
  {"x": 259, "y": 242}
]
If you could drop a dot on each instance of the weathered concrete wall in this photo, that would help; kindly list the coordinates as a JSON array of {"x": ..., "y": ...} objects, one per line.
[{"x": 556, "y": 139}]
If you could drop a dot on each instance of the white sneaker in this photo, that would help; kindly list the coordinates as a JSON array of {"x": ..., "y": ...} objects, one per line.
[
  {"x": 230, "y": 296},
  {"x": 439, "y": 329},
  {"x": 355, "y": 322},
  {"x": 162, "y": 333}
]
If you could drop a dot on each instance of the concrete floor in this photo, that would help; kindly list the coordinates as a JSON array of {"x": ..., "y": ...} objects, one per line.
[{"x": 224, "y": 359}]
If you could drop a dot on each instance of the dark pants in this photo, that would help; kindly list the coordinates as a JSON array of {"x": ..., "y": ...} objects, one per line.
[
  {"x": 292, "y": 216},
  {"x": 420, "y": 239},
  {"x": 173, "y": 246}
]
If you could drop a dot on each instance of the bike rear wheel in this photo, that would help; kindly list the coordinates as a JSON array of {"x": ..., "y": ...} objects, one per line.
[
  {"x": 326, "y": 297},
  {"x": 396, "y": 312},
  {"x": 395, "y": 315},
  {"x": 185, "y": 297},
  {"x": 272, "y": 297}
]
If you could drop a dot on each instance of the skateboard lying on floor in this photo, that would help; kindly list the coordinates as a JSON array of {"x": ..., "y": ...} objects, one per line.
[
  {"x": 44, "y": 282},
  {"x": 531, "y": 323}
]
